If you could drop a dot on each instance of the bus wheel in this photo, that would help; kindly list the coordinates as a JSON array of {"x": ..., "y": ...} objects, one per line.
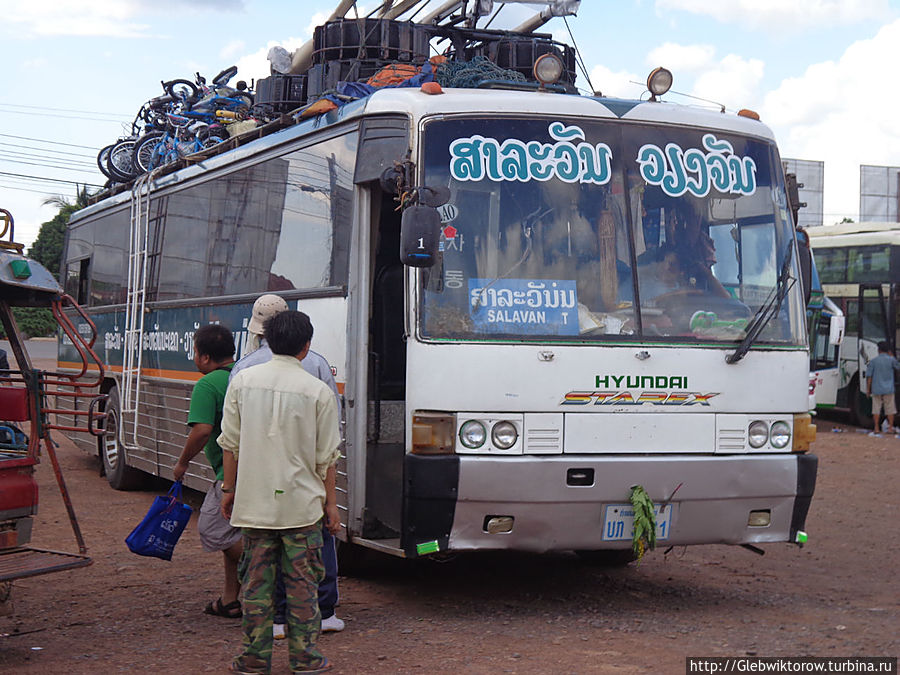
[
  {"x": 860, "y": 406},
  {"x": 607, "y": 557},
  {"x": 112, "y": 452}
]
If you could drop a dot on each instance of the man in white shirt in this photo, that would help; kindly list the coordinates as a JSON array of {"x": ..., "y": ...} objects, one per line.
[
  {"x": 280, "y": 437},
  {"x": 265, "y": 307}
]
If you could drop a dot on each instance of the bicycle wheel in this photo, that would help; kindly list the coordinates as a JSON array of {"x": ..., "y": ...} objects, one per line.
[
  {"x": 182, "y": 90},
  {"x": 120, "y": 161},
  {"x": 143, "y": 151},
  {"x": 211, "y": 140},
  {"x": 102, "y": 157}
]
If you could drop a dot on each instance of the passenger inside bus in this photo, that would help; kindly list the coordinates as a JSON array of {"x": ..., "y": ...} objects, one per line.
[{"x": 676, "y": 274}]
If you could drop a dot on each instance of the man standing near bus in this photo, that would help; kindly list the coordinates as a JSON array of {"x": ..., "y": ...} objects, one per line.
[
  {"x": 880, "y": 379},
  {"x": 265, "y": 307},
  {"x": 281, "y": 441},
  {"x": 214, "y": 357}
]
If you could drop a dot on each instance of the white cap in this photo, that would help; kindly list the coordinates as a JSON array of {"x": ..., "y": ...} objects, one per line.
[{"x": 265, "y": 307}]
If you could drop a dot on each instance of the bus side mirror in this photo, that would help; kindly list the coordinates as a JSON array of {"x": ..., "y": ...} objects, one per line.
[
  {"x": 806, "y": 263},
  {"x": 420, "y": 231}
]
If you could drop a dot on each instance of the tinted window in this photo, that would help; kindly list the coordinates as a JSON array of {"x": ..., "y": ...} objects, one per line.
[
  {"x": 832, "y": 265},
  {"x": 280, "y": 225},
  {"x": 97, "y": 260}
]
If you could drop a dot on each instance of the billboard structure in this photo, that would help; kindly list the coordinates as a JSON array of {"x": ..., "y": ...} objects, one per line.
[
  {"x": 810, "y": 174},
  {"x": 878, "y": 193}
]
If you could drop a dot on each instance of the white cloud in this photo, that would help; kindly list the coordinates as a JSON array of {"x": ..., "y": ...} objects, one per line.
[
  {"x": 783, "y": 15},
  {"x": 617, "y": 84},
  {"x": 681, "y": 58},
  {"x": 232, "y": 49},
  {"x": 35, "y": 63},
  {"x": 842, "y": 113},
  {"x": 113, "y": 18},
  {"x": 733, "y": 82},
  {"x": 108, "y": 18}
]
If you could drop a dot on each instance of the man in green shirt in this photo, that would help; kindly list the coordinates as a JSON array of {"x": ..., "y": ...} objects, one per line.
[{"x": 214, "y": 357}]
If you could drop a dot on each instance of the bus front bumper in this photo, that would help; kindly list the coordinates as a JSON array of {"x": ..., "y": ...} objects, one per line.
[{"x": 570, "y": 502}]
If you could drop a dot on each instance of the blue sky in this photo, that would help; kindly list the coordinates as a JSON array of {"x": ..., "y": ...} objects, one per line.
[{"x": 817, "y": 71}]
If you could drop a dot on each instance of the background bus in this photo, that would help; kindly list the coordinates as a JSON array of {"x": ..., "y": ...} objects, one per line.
[
  {"x": 604, "y": 295},
  {"x": 859, "y": 267}
]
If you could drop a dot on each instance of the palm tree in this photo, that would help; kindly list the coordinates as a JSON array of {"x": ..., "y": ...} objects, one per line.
[
  {"x": 47, "y": 248},
  {"x": 82, "y": 199}
]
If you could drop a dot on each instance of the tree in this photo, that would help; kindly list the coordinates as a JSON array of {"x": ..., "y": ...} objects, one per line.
[
  {"x": 47, "y": 250},
  {"x": 846, "y": 220}
]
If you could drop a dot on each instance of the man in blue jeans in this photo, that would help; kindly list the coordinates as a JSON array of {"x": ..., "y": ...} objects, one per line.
[{"x": 265, "y": 307}]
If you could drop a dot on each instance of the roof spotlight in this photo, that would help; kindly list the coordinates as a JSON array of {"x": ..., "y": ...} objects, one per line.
[
  {"x": 659, "y": 82},
  {"x": 548, "y": 68}
]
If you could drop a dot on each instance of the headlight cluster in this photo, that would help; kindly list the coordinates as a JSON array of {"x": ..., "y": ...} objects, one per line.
[
  {"x": 473, "y": 434},
  {"x": 778, "y": 435}
]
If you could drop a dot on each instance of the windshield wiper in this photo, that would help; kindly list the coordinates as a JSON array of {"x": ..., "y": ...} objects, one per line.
[{"x": 769, "y": 309}]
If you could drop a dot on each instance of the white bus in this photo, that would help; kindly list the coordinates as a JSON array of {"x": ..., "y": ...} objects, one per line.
[
  {"x": 602, "y": 294},
  {"x": 859, "y": 268}
]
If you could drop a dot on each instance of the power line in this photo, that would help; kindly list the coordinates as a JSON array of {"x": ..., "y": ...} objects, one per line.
[
  {"x": 65, "y": 117},
  {"x": 49, "y": 166},
  {"x": 52, "y": 180},
  {"x": 39, "y": 107},
  {"x": 14, "y": 155},
  {"x": 56, "y": 152},
  {"x": 22, "y": 189},
  {"x": 42, "y": 140}
]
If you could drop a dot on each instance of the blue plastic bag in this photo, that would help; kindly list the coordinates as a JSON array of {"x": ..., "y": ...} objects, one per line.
[{"x": 157, "y": 534}]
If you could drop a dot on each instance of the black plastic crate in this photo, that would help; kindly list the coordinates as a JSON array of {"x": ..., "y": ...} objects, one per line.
[
  {"x": 520, "y": 53},
  {"x": 282, "y": 92},
  {"x": 370, "y": 39}
]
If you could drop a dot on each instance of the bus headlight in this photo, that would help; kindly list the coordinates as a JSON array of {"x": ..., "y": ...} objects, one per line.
[
  {"x": 659, "y": 82},
  {"x": 758, "y": 434},
  {"x": 780, "y": 435},
  {"x": 548, "y": 68},
  {"x": 504, "y": 435},
  {"x": 472, "y": 434}
]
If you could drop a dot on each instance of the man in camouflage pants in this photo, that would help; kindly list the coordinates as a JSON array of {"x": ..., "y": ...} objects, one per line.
[{"x": 280, "y": 437}]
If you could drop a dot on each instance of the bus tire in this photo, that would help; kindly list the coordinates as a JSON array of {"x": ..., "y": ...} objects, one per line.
[
  {"x": 859, "y": 416},
  {"x": 112, "y": 452},
  {"x": 607, "y": 557}
]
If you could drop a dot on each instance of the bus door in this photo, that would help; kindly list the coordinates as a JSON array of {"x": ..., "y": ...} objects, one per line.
[
  {"x": 873, "y": 328},
  {"x": 380, "y": 305},
  {"x": 385, "y": 429}
]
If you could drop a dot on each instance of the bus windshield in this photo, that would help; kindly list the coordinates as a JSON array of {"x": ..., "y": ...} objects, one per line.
[{"x": 562, "y": 230}]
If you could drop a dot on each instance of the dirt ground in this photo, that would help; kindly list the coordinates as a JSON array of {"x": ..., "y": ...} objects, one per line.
[{"x": 485, "y": 613}]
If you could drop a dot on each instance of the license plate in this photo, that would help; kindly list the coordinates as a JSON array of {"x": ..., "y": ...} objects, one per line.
[{"x": 618, "y": 522}]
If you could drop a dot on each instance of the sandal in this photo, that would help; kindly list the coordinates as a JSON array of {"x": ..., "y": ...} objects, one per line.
[
  {"x": 324, "y": 667},
  {"x": 230, "y": 611}
]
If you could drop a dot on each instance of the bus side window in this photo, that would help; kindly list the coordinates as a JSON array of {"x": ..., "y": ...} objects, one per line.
[{"x": 77, "y": 277}]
